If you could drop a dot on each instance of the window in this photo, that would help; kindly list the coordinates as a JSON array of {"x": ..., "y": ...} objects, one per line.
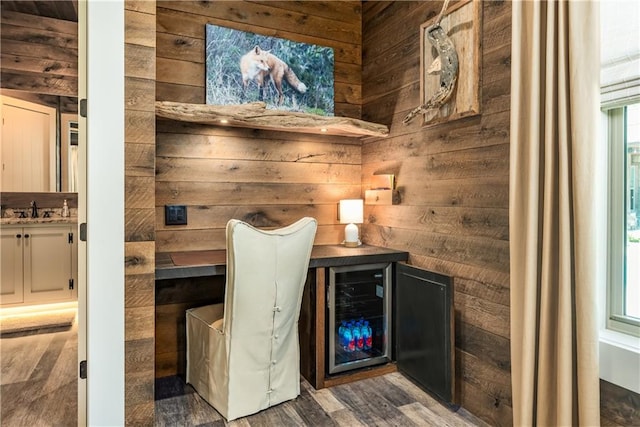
[
  {"x": 624, "y": 214},
  {"x": 618, "y": 189}
]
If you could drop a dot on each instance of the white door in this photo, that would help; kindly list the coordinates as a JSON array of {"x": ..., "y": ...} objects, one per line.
[
  {"x": 47, "y": 264},
  {"x": 11, "y": 269},
  {"x": 28, "y": 146}
]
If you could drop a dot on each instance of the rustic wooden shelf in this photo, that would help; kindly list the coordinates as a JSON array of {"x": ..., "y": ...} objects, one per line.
[{"x": 255, "y": 115}]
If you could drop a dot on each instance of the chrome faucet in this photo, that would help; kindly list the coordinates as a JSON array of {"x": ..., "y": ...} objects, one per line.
[{"x": 34, "y": 209}]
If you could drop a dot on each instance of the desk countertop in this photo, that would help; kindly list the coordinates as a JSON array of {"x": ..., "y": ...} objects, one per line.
[{"x": 321, "y": 256}]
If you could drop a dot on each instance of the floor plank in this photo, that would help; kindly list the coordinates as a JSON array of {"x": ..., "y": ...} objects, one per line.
[
  {"x": 38, "y": 387},
  {"x": 38, "y": 379},
  {"x": 388, "y": 400},
  {"x": 310, "y": 412},
  {"x": 20, "y": 356},
  {"x": 422, "y": 416},
  {"x": 324, "y": 398}
]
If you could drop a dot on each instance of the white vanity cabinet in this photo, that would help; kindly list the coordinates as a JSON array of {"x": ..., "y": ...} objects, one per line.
[
  {"x": 11, "y": 286},
  {"x": 39, "y": 263}
]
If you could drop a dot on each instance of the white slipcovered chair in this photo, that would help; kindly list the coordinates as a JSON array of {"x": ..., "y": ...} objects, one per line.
[{"x": 243, "y": 356}]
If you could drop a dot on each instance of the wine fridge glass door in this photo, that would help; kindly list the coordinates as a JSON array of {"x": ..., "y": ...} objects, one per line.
[{"x": 359, "y": 315}]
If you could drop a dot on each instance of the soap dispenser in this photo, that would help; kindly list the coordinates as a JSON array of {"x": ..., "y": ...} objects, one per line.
[{"x": 65, "y": 209}]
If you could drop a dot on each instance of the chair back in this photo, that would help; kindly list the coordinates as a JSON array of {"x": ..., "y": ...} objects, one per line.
[{"x": 266, "y": 272}]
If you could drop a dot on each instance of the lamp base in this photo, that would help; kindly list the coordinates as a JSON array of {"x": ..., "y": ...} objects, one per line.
[{"x": 351, "y": 238}]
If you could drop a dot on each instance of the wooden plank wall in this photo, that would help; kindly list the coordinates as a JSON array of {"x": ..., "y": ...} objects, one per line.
[
  {"x": 267, "y": 178},
  {"x": 453, "y": 182},
  {"x": 39, "y": 54},
  {"x": 140, "y": 74},
  {"x": 453, "y": 177},
  {"x": 173, "y": 298},
  {"x": 39, "y": 60}
]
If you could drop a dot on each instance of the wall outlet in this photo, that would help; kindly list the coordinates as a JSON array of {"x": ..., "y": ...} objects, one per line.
[{"x": 175, "y": 215}]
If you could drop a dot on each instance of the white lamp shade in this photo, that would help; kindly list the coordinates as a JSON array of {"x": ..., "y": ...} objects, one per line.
[{"x": 351, "y": 211}]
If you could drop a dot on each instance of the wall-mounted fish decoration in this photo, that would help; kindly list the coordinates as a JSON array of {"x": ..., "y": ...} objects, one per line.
[{"x": 446, "y": 64}]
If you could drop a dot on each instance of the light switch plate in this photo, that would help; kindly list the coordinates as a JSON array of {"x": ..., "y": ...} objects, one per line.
[{"x": 175, "y": 215}]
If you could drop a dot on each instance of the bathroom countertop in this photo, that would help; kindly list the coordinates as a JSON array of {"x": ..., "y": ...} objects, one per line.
[{"x": 39, "y": 221}]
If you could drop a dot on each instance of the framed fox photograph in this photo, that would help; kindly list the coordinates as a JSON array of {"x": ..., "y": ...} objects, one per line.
[{"x": 245, "y": 67}]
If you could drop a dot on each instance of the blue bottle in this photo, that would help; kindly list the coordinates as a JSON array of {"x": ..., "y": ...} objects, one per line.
[
  {"x": 342, "y": 343},
  {"x": 349, "y": 337},
  {"x": 366, "y": 335},
  {"x": 357, "y": 336}
]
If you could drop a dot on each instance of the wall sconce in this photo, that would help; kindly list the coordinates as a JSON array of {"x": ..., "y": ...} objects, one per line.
[
  {"x": 383, "y": 181},
  {"x": 383, "y": 190},
  {"x": 351, "y": 213}
]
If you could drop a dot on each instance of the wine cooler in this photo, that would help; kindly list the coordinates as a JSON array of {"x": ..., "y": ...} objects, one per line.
[{"x": 358, "y": 316}]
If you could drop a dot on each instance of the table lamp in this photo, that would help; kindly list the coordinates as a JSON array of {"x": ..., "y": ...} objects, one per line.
[{"x": 351, "y": 213}]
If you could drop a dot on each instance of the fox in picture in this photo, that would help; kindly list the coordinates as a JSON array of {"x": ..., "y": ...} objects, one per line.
[
  {"x": 284, "y": 74},
  {"x": 261, "y": 65}
]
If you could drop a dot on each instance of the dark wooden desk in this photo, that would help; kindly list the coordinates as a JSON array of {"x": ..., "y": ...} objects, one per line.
[
  {"x": 198, "y": 279},
  {"x": 212, "y": 263}
]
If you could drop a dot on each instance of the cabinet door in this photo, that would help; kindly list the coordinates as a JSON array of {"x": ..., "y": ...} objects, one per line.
[
  {"x": 28, "y": 146},
  {"x": 47, "y": 264},
  {"x": 424, "y": 329},
  {"x": 11, "y": 254}
]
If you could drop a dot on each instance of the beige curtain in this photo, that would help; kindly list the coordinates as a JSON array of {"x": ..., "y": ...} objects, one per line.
[{"x": 554, "y": 120}]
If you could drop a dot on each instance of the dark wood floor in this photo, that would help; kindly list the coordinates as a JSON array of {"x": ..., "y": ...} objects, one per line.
[
  {"x": 39, "y": 388},
  {"x": 389, "y": 400}
]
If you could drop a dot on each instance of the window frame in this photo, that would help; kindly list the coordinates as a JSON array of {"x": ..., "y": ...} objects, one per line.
[{"x": 617, "y": 200}]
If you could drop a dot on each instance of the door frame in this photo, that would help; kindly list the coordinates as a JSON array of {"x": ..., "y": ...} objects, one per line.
[
  {"x": 82, "y": 212},
  {"x": 101, "y": 197}
]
